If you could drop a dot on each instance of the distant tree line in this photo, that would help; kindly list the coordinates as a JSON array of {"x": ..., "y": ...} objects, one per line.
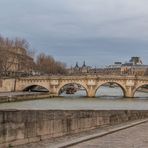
[
  {"x": 48, "y": 65},
  {"x": 16, "y": 57}
]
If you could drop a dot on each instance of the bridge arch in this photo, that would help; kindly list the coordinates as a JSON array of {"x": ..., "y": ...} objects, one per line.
[
  {"x": 33, "y": 86},
  {"x": 139, "y": 86},
  {"x": 112, "y": 82},
  {"x": 72, "y": 82}
]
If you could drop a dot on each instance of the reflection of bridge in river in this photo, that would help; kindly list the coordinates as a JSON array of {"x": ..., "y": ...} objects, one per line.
[{"x": 128, "y": 84}]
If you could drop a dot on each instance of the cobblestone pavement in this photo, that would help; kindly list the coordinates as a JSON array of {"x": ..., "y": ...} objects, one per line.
[{"x": 133, "y": 137}]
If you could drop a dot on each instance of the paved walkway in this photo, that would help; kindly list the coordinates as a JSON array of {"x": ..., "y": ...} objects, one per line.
[{"x": 133, "y": 137}]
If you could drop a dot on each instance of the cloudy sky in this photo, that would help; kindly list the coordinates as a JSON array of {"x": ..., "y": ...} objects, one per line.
[{"x": 97, "y": 31}]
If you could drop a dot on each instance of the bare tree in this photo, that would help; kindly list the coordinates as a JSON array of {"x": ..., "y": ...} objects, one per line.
[
  {"x": 15, "y": 56},
  {"x": 21, "y": 43},
  {"x": 7, "y": 57},
  {"x": 47, "y": 64}
]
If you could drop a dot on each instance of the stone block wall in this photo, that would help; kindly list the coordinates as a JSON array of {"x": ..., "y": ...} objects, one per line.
[
  {"x": 25, "y": 126},
  {"x": 7, "y": 85}
]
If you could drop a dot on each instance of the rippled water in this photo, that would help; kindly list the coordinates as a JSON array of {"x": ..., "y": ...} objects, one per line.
[{"x": 113, "y": 101}]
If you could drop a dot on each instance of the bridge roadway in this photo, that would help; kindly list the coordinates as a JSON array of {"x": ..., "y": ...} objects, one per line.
[{"x": 128, "y": 84}]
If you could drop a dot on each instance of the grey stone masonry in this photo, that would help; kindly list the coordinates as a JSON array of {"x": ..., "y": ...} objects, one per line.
[{"x": 25, "y": 126}]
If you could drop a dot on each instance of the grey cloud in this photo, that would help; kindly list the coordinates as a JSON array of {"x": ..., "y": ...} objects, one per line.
[{"x": 98, "y": 31}]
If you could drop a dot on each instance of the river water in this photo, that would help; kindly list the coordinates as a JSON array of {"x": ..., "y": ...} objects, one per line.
[{"x": 106, "y": 99}]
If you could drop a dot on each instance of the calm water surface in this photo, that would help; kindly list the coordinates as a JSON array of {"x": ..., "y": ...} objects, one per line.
[{"x": 106, "y": 99}]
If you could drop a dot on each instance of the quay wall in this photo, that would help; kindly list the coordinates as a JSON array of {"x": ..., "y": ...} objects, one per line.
[
  {"x": 24, "y": 97},
  {"x": 25, "y": 126}
]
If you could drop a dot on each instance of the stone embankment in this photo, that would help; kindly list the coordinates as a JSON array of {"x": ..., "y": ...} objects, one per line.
[
  {"x": 25, "y": 126},
  {"x": 24, "y": 97}
]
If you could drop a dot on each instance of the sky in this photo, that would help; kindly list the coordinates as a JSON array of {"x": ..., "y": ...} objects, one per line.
[{"x": 98, "y": 32}]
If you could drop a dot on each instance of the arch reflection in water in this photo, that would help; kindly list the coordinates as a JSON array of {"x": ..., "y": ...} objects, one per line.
[
  {"x": 141, "y": 92},
  {"x": 110, "y": 90},
  {"x": 73, "y": 90}
]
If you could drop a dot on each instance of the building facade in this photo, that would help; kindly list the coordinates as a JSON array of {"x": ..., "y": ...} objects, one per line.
[
  {"x": 135, "y": 66},
  {"x": 15, "y": 61},
  {"x": 84, "y": 69}
]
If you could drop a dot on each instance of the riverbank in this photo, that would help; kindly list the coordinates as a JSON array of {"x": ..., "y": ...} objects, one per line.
[
  {"x": 20, "y": 127},
  {"x": 22, "y": 96}
]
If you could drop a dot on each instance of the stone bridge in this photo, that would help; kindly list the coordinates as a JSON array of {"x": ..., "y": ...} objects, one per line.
[{"x": 128, "y": 84}]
